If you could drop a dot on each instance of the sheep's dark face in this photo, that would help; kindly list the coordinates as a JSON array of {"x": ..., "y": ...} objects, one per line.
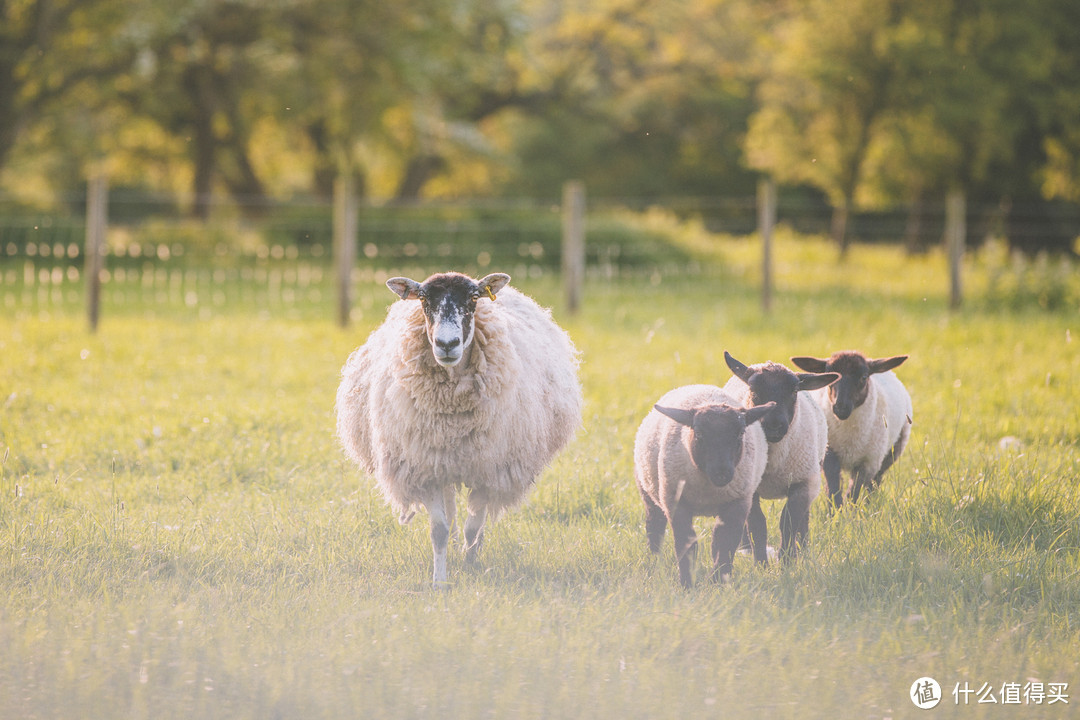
[
  {"x": 851, "y": 390},
  {"x": 716, "y": 444},
  {"x": 774, "y": 383},
  {"x": 855, "y": 369},
  {"x": 449, "y": 302}
]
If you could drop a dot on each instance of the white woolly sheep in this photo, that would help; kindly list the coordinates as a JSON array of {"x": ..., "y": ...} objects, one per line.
[
  {"x": 869, "y": 415},
  {"x": 797, "y": 435},
  {"x": 456, "y": 388},
  {"x": 698, "y": 452}
]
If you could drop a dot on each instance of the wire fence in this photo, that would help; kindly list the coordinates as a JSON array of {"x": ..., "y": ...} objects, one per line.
[{"x": 277, "y": 258}]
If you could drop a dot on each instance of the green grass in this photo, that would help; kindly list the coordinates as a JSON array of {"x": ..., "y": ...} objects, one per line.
[{"x": 180, "y": 536}]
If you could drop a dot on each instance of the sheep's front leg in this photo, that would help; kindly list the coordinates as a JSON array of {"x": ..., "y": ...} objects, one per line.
[
  {"x": 831, "y": 467},
  {"x": 682, "y": 530},
  {"x": 795, "y": 521},
  {"x": 440, "y": 535},
  {"x": 727, "y": 533},
  {"x": 474, "y": 525},
  {"x": 758, "y": 529}
]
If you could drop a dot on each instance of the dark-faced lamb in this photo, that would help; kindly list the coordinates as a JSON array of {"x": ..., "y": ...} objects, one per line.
[
  {"x": 797, "y": 435},
  {"x": 456, "y": 388},
  {"x": 699, "y": 452},
  {"x": 869, "y": 415}
]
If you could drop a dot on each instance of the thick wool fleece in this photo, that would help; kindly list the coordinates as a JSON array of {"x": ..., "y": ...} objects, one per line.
[
  {"x": 874, "y": 427},
  {"x": 662, "y": 457},
  {"x": 797, "y": 456},
  {"x": 491, "y": 424}
]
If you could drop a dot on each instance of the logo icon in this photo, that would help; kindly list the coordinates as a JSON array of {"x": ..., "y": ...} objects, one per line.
[{"x": 925, "y": 693}]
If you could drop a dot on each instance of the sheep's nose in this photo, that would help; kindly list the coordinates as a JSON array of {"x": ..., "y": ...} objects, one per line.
[{"x": 447, "y": 345}]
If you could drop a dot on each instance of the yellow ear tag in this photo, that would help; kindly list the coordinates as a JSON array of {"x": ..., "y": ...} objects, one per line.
[{"x": 487, "y": 289}]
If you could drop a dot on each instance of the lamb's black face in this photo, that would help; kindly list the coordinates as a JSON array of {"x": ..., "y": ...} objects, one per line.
[
  {"x": 776, "y": 384},
  {"x": 449, "y": 303},
  {"x": 716, "y": 445},
  {"x": 718, "y": 442},
  {"x": 850, "y": 391},
  {"x": 772, "y": 383},
  {"x": 854, "y": 369}
]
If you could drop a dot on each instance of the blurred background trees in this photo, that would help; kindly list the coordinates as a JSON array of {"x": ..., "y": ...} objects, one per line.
[{"x": 854, "y": 105}]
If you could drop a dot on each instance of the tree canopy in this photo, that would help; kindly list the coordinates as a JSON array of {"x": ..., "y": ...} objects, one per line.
[{"x": 871, "y": 103}]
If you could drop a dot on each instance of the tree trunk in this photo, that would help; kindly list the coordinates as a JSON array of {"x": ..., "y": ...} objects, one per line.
[
  {"x": 420, "y": 169},
  {"x": 199, "y": 89},
  {"x": 838, "y": 230},
  {"x": 914, "y": 231}
]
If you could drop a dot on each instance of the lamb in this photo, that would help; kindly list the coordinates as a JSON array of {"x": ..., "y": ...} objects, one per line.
[
  {"x": 456, "y": 388},
  {"x": 869, "y": 415},
  {"x": 698, "y": 452},
  {"x": 797, "y": 435}
]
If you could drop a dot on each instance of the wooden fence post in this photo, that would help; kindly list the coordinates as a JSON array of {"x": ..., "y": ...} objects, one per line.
[
  {"x": 766, "y": 202},
  {"x": 955, "y": 235},
  {"x": 345, "y": 217},
  {"x": 97, "y": 207},
  {"x": 573, "y": 242}
]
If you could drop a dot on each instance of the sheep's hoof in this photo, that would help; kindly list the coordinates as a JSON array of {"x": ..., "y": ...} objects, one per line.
[
  {"x": 471, "y": 553},
  {"x": 472, "y": 547}
]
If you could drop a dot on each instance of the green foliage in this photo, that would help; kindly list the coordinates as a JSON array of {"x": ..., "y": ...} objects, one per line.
[
  {"x": 872, "y": 103},
  {"x": 181, "y": 536}
]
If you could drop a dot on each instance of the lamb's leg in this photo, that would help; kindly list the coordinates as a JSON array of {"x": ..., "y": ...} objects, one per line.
[
  {"x": 440, "y": 535},
  {"x": 474, "y": 524},
  {"x": 891, "y": 456},
  {"x": 758, "y": 530},
  {"x": 831, "y": 467},
  {"x": 682, "y": 530},
  {"x": 795, "y": 521},
  {"x": 726, "y": 536},
  {"x": 450, "y": 506},
  {"x": 863, "y": 477},
  {"x": 655, "y": 523}
]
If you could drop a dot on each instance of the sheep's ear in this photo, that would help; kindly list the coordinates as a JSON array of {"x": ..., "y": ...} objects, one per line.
[
  {"x": 752, "y": 415},
  {"x": 810, "y": 364},
  {"x": 490, "y": 285},
  {"x": 741, "y": 371},
  {"x": 404, "y": 287},
  {"x": 884, "y": 364},
  {"x": 679, "y": 415},
  {"x": 815, "y": 381}
]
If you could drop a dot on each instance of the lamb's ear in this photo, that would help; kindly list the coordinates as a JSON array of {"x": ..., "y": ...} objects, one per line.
[
  {"x": 810, "y": 364},
  {"x": 740, "y": 371},
  {"x": 490, "y": 285},
  {"x": 814, "y": 381},
  {"x": 404, "y": 287},
  {"x": 752, "y": 415},
  {"x": 884, "y": 364},
  {"x": 679, "y": 415}
]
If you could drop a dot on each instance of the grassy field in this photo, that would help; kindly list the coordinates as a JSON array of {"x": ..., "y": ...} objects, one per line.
[{"x": 180, "y": 536}]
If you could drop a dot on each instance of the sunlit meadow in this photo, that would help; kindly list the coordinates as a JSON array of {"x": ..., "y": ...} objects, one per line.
[{"x": 181, "y": 536}]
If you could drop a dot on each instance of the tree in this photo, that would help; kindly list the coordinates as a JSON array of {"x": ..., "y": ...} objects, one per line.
[
  {"x": 828, "y": 85},
  {"x": 48, "y": 48}
]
